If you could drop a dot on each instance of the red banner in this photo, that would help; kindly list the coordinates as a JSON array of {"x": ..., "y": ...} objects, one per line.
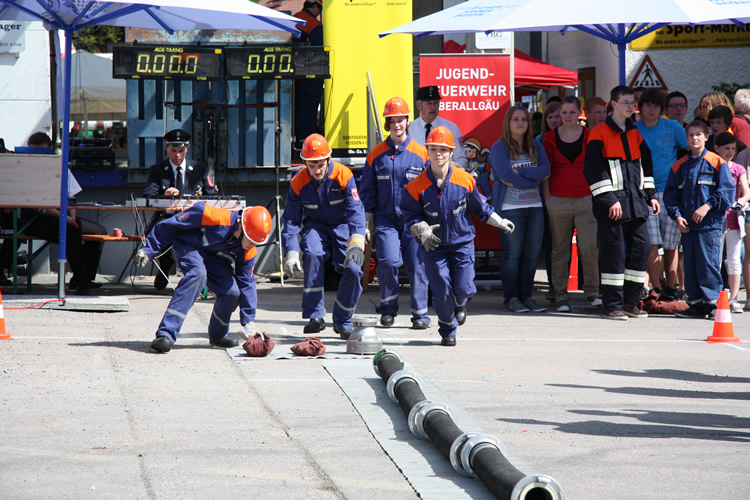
[{"x": 476, "y": 92}]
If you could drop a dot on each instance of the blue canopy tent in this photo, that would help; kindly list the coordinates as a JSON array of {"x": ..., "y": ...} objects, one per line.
[{"x": 170, "y": 15}]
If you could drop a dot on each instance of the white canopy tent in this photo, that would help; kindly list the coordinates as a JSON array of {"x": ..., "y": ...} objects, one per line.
[
  {"x": 94, "y": 94},
  {"x": 619, "y": 23}
]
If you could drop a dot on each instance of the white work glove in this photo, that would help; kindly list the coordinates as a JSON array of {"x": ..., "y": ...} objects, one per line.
[
  {"x": 424, "y": 232},
  {"x": 368, "y": 224},
  {"x": 248, "y": 331},
  {"x": 499, "y": 222},
  {"x": 355, "y": 250},
  {"x": 291, "y": 263},
  {"x": 141, "y": 259}
]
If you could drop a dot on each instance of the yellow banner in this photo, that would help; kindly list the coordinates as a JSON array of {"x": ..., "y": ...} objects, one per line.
[
  {"x": 350, "y": 28},
  {"x": 678, "y": 36}
]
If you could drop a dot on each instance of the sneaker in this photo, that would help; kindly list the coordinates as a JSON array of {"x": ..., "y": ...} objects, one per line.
[
  {"x": 711, "y": 315},
  {"x": 533, "y": 306},
  {"x": 644, "y": 293},
  {"x": 692, "y": 312},
  {"x": 562, "y": 306},
  {"x": 593, "y": 301},
  {"x": 515, "y": 305},
  {"x": 735, "y": 307},
  {"x": 747, "y": 305},
  {"x": 670, "y": 293},
  {"x": 682, "y": 294},
  {"x": 616, "y": 315},
  {"x": 635, "y": 312}
]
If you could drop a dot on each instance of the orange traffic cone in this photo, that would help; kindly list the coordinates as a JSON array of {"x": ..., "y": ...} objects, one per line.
[
  {"x": 3, "y": 334},
  {"x": 723, "y": 330},
  {"x": 573, "y": 275}
]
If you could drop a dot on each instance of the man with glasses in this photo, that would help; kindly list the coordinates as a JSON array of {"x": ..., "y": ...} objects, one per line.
[
  {"x": 619, "y": 171},
  {"x": 677, "y": 107}
]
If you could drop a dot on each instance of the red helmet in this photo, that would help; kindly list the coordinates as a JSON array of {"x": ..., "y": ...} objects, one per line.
[
  {"x": 440, "y": 136},
  {"x": 396, "y": 107},
  {"x": 315, "y": 147},
  {"x": 256, "y": 224}
]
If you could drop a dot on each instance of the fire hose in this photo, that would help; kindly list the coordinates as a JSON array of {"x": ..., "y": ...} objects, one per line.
[{"x": 471, "y": 454}]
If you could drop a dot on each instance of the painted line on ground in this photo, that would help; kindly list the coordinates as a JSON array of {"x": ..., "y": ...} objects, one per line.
[
  {"x": 396, "y": 341},
  {"x": 737, "y": 347}
]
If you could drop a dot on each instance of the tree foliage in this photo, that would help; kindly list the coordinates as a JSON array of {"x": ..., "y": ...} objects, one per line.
[
  {"x": 96, "y": 39},
  {"x": 729, "y": 89}
]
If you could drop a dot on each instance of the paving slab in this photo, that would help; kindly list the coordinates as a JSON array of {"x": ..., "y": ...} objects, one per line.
[{"x": 639, "y": 409}]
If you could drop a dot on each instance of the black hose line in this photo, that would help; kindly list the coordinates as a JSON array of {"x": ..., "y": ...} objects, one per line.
[
  {"x": 471, "y": 454},
  {"x": 494, "y": 470},
  {"x": 442, "y": 430}
]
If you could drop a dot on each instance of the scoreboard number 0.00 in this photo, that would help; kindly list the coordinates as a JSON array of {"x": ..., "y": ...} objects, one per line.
[{"x": 274, "y": 64}]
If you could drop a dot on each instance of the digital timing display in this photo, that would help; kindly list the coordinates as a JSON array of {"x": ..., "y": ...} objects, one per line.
[
  {"x": 166, "y": 62},
  {"x": 276, "y": 62}
]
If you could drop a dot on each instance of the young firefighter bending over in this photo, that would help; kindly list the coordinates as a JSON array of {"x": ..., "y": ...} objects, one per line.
[
  {"x": 436, "y": 210},
  {"x": 214, "y": 247}
]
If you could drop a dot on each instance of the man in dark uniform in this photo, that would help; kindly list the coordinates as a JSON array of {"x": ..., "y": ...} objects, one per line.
[
  {"x": 176, "y": 176},
  {"x": 307, "y": 93}
]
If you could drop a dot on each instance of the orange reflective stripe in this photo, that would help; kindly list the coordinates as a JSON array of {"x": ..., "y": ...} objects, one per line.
[
  {"x": 216, "y": 216},
  {"x": 417, "y": 149},
  {"x": 419, "y": 185},
  {"x": 300, "y": 180},
  {"x": 714, "y": 159},
  {"x": 341, "y": 174},
  {"x": 462, "y": 178},
  {"x": 377, "y": 151},
  {"x": 679, "y": 163},
  {"x": 249, "y": 254}
]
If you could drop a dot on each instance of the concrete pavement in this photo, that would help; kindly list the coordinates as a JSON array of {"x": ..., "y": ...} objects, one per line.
[{"x": 643, "y": 409}]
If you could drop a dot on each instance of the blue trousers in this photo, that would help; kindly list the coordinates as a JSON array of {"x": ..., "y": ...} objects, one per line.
[
  {"x": 201, "y": 269},
  {"x": 521, "y": 251},
  {"x": 702, "y": 264},
  {"x": 314, "y": 246},
  {"x": 450, "y": 272},
  {"x": 388, "y": 241}
]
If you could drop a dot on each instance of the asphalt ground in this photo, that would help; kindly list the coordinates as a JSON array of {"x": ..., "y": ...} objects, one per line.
[{"x": 612, "y": 410}]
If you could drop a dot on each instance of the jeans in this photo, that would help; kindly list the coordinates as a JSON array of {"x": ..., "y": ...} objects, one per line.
[{"x": 521, "y": 251}]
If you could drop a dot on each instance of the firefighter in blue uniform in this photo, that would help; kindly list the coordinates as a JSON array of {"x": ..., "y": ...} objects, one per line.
[
  {"x": 214, "y": 247},
  {"x": 324, "y": 204},
  {"x": 436, "y": 208},
  {"x": 389, "y": 167}
]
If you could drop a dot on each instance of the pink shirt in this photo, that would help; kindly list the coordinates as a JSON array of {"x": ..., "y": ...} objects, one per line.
[{"x": 737, "y": 171}]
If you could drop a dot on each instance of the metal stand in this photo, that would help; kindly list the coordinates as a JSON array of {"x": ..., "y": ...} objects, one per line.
[{"x": 278, "y": 199}]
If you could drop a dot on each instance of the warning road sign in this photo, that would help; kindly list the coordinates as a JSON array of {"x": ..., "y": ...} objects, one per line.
[{"x": 647, "y": 76}]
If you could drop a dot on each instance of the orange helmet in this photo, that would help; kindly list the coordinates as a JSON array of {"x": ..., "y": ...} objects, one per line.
[
  {"x": 315, "y": 147},
  {"x": 256, "y": 224},
  {"x": 396, "y": 107},
  {"x": 440, "y": 136}
]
